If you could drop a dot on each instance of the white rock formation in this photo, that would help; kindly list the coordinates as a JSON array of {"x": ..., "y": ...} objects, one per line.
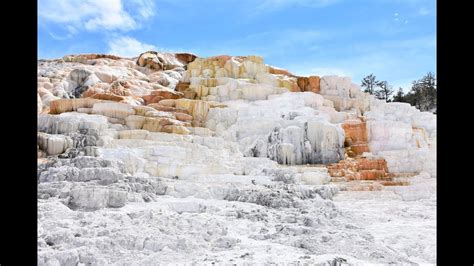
[
  {"x": 295, "y": 133},
  {"x": 54, "y": 144},
  {"x": 226, "y": 174},
  {"x": 404, "y": 136},
  {"x": 232, "y": 89}
]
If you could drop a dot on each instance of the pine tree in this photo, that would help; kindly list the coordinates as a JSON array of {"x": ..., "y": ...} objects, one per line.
[
  {"x": 428, "y": 84},
  {"x": 369, "y": 83},
  {"x": 384, "y": 92},
  {"x": 416, "y": 95},
  {"x": 423, "y": 93},
  {"x": 400, "y": 96}
]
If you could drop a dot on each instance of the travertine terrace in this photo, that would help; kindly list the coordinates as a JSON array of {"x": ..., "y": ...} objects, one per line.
[{"x": 174, "y": 158}]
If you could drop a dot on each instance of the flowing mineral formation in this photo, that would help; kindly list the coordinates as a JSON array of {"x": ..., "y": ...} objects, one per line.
[{"x": 174, "y": 158}]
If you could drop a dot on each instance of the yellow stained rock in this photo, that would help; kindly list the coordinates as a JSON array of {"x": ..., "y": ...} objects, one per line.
[
  {"x": 109, "y": 97},
  {"x": 197, "y": 108},
  {"x": 156, "y": 124},
  {"x": 183, "y": 116},
  {"x": 141, "y": 110},
  {"x": 168, "y": 102},
  {"x": 135, "y": 121},
  {"x": 71, "y": 105},
  {"x": 159, "y": 107},
  {"x": 176, "y": 129},
  {"x": 133, "y": 134}
]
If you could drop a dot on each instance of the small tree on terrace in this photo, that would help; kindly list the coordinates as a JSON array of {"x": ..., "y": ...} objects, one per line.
[
  {"x": 384, "y": 92},
  {"x": 369, "y": 83}
]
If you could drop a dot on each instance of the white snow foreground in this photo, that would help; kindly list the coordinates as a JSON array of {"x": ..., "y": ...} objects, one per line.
[{"x": 248, "y": 185}]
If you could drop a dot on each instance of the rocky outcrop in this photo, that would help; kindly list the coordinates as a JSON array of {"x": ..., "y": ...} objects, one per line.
[
  {"x": 310, "y": 83},
  {"x": 185, "y": 58},
  {"x": 359, "y": 169},
  {"x": 158, "y": 61},
  {"x": 344, "y": 94},
  {"x": 54, "y": 144},
  {"x": 167, "y": 93},
  {"x": 225, "y": 89},
  {"x": 182, "y": 86},
  {"x": 157, "y": 95},
  {"x": 356, "y": 140},
  {"x": 211, "y": 72},
  {"x": 108, "y": 97},
  {"x": 226, "y": 66},
  {"x": 161, "y": 107},
  {"x": 83, "y": 57},
  {"x": 80, "y": 80},
  {"x": 279, "y": 71},
  {"x": 93, "y": 198},
  {"x": 282, "y": 81},
  {"x": 155, "y": 117},
  {"x": 71, "y": 105},
  {"x": 70, "y": 122},
  {"x": 168, "y": 125},
  {"x": 197, "y": 109}
]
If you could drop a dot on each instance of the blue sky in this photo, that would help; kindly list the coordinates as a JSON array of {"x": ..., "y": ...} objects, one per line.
[{"x": 394, "y": 39}]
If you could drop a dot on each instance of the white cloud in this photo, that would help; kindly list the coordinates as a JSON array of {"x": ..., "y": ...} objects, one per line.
[
  {"x": 110, "y": 15},
  {"x": 58, "y": 37},
  {"x": 71, "y": 30},
  {"x": 128, "y": 47},
  {"x": 145, "y": 8},
  {"x": 93, "y": 15}
]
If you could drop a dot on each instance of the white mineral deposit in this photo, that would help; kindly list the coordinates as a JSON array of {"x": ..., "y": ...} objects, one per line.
[{"x": 178, "y": 159}]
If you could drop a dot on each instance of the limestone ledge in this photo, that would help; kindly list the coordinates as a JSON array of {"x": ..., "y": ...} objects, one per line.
[{"x": 173, "y": 116}]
